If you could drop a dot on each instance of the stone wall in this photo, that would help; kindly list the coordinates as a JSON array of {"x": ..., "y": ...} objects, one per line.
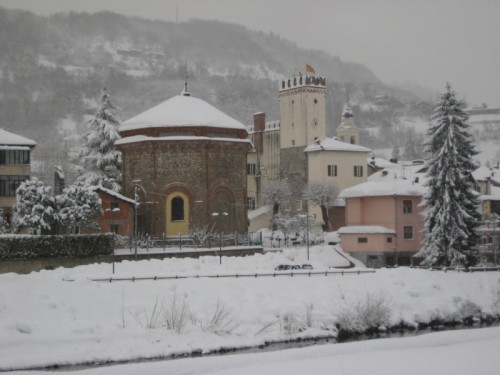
[{"x": 211, "y": 173}]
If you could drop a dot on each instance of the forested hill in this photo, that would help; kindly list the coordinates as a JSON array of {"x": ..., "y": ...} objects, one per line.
[{"x": 52, "y": 70}]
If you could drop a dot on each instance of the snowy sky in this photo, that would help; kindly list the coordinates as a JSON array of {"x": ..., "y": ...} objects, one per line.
[{"x": 427, "y": 42}]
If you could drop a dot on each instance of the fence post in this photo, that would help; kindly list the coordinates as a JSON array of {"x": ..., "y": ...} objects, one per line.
[
  {"x": 235, "y": 238},
  {"x": 163, "y": 236},
  {"x": 180, "y": 241}
]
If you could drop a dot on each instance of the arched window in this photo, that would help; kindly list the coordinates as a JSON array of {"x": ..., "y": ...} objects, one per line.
[
  {"x": 177, "y": 213},
  {"x": 353, "y": 140}
]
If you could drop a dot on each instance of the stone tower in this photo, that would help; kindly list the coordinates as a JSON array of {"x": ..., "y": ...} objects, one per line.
[
  {"x": 302, "y": 111},
  {"x": 303, "y": 122}
]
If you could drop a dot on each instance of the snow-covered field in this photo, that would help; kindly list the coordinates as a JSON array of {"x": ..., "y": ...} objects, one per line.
[{"x": 62, "y": 317}]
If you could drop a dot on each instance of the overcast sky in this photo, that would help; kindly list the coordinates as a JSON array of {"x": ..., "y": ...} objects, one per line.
[{"x": 428, "y": 42}]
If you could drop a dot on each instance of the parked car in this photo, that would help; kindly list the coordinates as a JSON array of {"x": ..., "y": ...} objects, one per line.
[
  {"x": 288, "y": 267},
  {"x": 283, "y": 267}
]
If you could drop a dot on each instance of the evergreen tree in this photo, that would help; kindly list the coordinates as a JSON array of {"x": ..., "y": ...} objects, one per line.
[
  {"x": 78, "y": 207},
  {"x": 450, "y": 215},
  {"x": 35, "y": 208},
  {"x": 101, "y": 160}
]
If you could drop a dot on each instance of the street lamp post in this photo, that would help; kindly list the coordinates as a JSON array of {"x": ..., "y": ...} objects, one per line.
[
  {"x": 220, "y": 215},
  {"x": 307, "y": 216},
  {"x": 137, "y": 185}
]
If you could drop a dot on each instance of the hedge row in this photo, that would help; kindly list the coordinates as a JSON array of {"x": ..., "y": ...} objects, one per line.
[{"x": 36, "y": 247}]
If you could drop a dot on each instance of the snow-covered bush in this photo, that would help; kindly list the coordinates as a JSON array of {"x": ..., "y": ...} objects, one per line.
[
  {"x": 78, "y": 207},
  {"x": 151, "y": 320},
  {"x": 372, "y": 312},
  {"x": 35, "y": 208},
  {"x": 4, "y": 226},
  {"x": 222, "y": 321},
  {"x": 176, "y": 314},
  {"x": 290, "y": 324},
  {"x": 201, "y": 234}
]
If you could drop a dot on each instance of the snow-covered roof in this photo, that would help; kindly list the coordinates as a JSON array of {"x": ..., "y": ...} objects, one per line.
[
  {"x": 380, "y": 162},
  {"x": 269, "y": 126},
  {"x": 365, "y": 229},
  {"x": 144, "y": 138},
  {"x": 11, "y": 139},
  {"x": 332, "y": 144},
  {"x": 391, "y": 187},
  {"x": 258, "y": 212},
  {"x": 14, "y": 148},
  {"x": 182, "y": 110},
  {"x": 113, "y": 193},
  {"x": 493, "y": 196},
  {"x": 483, "y": 173},
  {"x": 406, "y": 171}
]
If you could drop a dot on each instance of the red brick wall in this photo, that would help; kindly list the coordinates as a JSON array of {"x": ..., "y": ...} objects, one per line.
[{"x": 124, "y": 219}]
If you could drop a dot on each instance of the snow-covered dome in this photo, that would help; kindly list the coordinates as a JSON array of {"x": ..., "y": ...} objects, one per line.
[{"x": 182, "y": 110}]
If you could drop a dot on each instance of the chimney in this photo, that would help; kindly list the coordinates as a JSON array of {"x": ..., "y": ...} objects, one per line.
[{"x": 259, "y": 125}]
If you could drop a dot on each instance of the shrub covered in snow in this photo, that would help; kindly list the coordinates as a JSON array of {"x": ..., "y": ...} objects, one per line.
[
  {"x": 35, "y": 208},
  {"x": 78, "y": 207}
]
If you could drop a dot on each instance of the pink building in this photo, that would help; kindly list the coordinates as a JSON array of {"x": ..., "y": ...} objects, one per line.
[{"x": 384, "y": 225}]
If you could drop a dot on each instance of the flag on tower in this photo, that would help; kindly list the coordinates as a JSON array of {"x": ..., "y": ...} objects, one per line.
[{"x": 310, "y": 69}]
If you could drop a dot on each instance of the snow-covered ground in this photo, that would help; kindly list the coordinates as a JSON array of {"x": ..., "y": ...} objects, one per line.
[
  {"x": 63, "y": 317},
  {"x": 461, "y": 352}
]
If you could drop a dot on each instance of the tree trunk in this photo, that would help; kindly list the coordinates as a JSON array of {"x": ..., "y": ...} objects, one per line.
[
  {"x": 276, "y": 208},
  {"x": 326, "y": 220}
]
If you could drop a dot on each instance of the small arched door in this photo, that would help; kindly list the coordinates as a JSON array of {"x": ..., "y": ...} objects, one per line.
[{"x": 177, "y": 214}]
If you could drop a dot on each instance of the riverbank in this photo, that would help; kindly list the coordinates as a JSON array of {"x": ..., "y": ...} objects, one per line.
[{"x": 61, "y": 317}]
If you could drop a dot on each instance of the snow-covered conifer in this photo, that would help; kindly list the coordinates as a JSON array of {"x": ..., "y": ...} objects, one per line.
[
  {"x": 35, "y": 208},
  {"x": 100, "y": 159},
  {"x": 78, "y": 207},
  {"x": 322, "y": 194},
  {"x": 450, "y": 215}
]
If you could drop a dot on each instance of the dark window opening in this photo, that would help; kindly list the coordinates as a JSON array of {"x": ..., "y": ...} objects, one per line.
[{"x": 177, "y": 209}]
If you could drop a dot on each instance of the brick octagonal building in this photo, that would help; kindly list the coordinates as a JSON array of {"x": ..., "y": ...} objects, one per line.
[{"x": 186, "y": 160}]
